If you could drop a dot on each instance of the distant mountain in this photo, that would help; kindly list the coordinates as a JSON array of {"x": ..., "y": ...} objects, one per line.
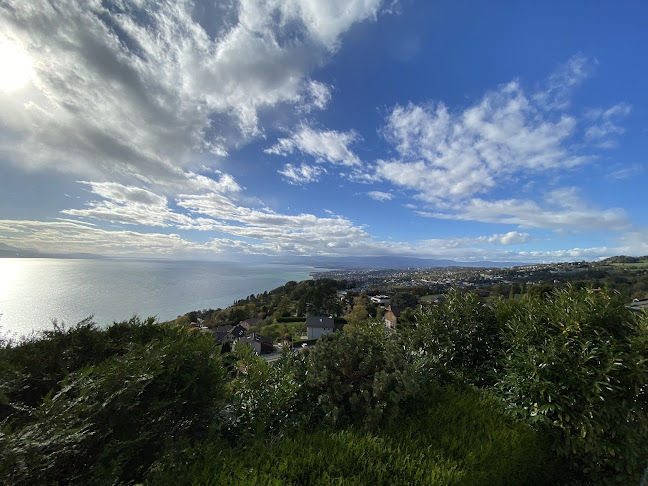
[
  {"x": 7, "y": 251},
  {"x": 388, "y": 262}
]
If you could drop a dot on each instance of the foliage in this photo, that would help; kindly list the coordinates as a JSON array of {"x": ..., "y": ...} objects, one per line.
[
  {"x": 359, "y": 314},
  {"x": 35, "y": 366},
  {"x": 106, "y": 422},
  {"x": 89, "y": 406},
  {"x": 360, "y": 375},
  {"x": 576, "y": 364},
  {"x": 319, "y": 299},
  {"x": 458, "y": 339},
  {"x": 455, "y": 436},
  {"x": 265, "y": 398},
  {"x": 403, "y": 299}
]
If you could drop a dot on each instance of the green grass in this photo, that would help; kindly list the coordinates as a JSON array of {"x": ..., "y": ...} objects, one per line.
[
  {"x": 275, "y": 330},
  {"x": 453, "y": 437},
  {"x": 430, "y": 298},
  {"x": 643, "y": 264}
]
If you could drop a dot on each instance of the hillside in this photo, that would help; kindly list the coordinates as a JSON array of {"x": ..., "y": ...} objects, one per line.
[{"x": 513, "y": 391}]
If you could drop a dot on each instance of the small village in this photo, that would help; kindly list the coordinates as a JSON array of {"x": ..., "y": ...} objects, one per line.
[{"x": 344, "y": 297}]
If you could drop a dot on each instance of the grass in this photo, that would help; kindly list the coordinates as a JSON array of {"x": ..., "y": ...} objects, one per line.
[
  {"x": 642, "y": 265},
  {"x": 430, "y": 298},
  {"x": 456, "y": 436}
]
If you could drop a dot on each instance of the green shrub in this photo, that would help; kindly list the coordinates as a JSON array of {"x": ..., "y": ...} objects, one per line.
[
  {"x": 576, "y": 365},
  {"x": 292, "y": 319},
  {"x": 453, "y": 437},
  {"x": 264, "y": 398},
  {"x": 360, "y": 375},
  {"x": 457, "y": 340},
  {"x": 109, "y": 421},
  {"x": 35, "y": 366}
]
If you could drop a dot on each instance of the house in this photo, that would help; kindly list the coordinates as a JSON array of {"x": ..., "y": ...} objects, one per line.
[
  {"x": 228, "y": 334},
  {"x": 317, "y": 326},
  {"x": 260, "y": 344},
  {"x": 392, "y": 313},
  {"x": 380, "y": 299}
]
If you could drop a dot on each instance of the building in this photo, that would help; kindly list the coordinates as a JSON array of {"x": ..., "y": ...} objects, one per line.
[
  {"x": 228, "y": 334},
  {"x": 380, "y": 299},
  {"x": 392, "y": 313},
  {"x": 317, "y": 326},
  {"x": 260, "y": 344}
]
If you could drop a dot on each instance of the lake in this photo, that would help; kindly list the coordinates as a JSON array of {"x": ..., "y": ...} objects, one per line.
[{"x": 33, "y": 291}]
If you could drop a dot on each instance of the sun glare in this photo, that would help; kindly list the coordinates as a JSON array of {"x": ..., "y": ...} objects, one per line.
[{"x": 15, "y": 66}]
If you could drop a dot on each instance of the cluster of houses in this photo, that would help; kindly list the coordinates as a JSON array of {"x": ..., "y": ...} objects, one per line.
[
  {"x": 235, "y": 335},
  {"x": 316, "y": 327}
]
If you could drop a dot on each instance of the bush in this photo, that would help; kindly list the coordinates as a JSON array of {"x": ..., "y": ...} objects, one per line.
[
  {"x": 265, "y": 398},
  {"x": 360, "y": 375},
  {"x": 292, "y": 319},
  {"x": 109, "y": 421},
  {"x": 575, "y": 364},
  {"x": 454, "y": 436},
  {"x": 35, "y": 366},
  {"x": 458, "y": 339}
]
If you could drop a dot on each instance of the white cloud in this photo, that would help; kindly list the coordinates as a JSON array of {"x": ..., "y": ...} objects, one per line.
[
  {"x": 556, "y": 92},
  {"x": 380, "y": 196},
  {"x": 130, "y": 89},
  {"x": 71, "y": 237},
  {"x": 566, "y": 212},
  {"x": 299, "y": 234},
  {"x": 302, "y": 174},
  {"x": 510, "y": 238},
  {"x": 319, "y": 95},
  {"x": 628, "y": 172},
  {"x": 445, "y": 155},
  {"x": 505, "y": 239},
  {"x": 455, "y": 160},
  {"x": 129, "y": 205},
  {"x": 325, "y": 145},
  {"x": 605, "y": 125}
]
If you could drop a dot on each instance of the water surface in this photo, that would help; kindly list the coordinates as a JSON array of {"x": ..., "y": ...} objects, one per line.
[{"x": 33, "y": 291}]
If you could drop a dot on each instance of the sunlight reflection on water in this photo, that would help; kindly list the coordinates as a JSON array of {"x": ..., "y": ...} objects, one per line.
[{"x": 33, "y": 291}]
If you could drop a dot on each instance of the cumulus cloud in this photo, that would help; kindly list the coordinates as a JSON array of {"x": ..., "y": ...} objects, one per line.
[
  {"x": 130, "y": 89},
  {"x": 325, "y": 145},
  {"x": 457, "y": 155},
  {"x": 455, "y": 160}
]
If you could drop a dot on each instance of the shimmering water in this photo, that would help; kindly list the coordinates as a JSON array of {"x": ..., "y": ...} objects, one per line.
[{"x": 33, "y": 291}]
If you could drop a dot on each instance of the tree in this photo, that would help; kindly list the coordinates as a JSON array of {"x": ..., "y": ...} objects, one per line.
[
  {"x": 359, "y": 313},
  {"x": 109, "y": 421},
  {"x": 360, "y": 375},
  {"x": 459, "y": 338},
  {"x": 403, "y": 299},
  {"x": 575, "y": 365}
]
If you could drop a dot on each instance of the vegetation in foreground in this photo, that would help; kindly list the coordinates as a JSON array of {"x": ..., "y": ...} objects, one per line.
[{"x": 550, "y": 388}]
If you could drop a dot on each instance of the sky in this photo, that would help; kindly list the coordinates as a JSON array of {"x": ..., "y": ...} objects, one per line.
[{"x": 503, "y": 131}]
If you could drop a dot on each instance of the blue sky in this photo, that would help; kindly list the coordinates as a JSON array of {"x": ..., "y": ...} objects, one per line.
[{"x": 506, "y": 131}]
